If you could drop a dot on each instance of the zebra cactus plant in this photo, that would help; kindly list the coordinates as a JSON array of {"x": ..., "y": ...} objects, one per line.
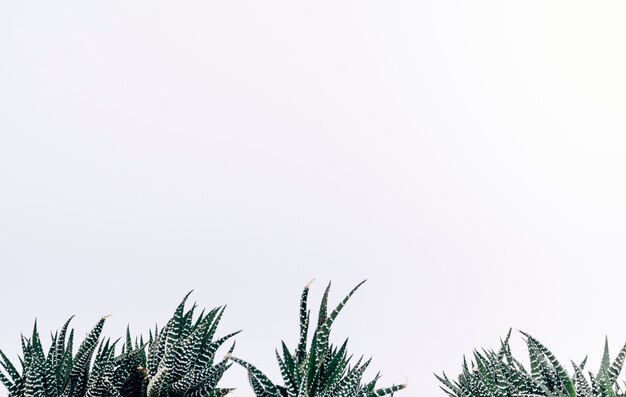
[
  {"x": 60, "y": 373},
  {"x": 499, "y": 374},
  {"x": 322, "y": 370},
  {"x": 180, "y": 357},
  {"x": 177, "y": 361}
]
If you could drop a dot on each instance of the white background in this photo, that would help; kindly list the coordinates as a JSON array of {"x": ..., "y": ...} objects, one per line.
[{"x": 465, "y": 157}]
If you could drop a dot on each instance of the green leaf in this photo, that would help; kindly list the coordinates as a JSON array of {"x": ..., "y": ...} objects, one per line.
[
  {"x": 385, "y": 391},
  {"x": 323, "y": 331},
  {"x": 562, "y": 374},
  {"x": 266, "y": 384},
  {"x": 304, "y": 324}
]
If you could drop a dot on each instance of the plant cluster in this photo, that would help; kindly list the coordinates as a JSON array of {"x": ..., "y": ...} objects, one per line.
[
  {"x": 321, "y": 370},
  {"x": 179, "y": 360},
  {"x": 500, "y": 374}
]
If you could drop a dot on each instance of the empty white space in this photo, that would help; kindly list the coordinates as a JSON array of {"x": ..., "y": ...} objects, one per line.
[{"x": 468, "y": 158}]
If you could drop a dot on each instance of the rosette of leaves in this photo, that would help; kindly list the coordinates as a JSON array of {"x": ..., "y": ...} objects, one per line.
[
  {"x": 57, "y": 372},
  {"x": 499, "y": 374},
  {"x": 180, "y": 357},
  {"x": 318, "y": 370}
]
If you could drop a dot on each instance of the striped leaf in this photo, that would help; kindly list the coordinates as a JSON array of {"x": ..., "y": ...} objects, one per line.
[{"x": 318, "y": 370}]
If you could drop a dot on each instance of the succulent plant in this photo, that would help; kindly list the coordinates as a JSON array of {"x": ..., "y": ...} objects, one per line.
[
  {"x": 499, "y": 374},
  {"x": 176, "y": 361},
  {"x": 179, "y": 360},
  {"x": 60, "y": 373},
  {"x": 321, "y": 370}
]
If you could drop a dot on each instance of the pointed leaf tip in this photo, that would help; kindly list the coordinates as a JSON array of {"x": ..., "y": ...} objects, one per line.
[{"x": 309, "y": 284}]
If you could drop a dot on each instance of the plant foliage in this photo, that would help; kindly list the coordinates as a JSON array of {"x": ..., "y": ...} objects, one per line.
[
  {"x": 58, "y": 372},
  {"x": 180, "y": 357},
  {"x": 176, "y": 361},
  {"x": 318, "y": 370},
  {"x": 499, "y": 374}
]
